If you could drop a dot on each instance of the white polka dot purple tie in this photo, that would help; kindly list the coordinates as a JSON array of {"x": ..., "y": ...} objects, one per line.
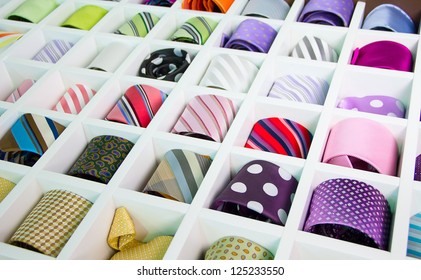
[{"x": 327, "y": 12}]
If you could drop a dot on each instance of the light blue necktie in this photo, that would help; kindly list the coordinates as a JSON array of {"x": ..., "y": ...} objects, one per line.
[{"x": 389, "y": 17}]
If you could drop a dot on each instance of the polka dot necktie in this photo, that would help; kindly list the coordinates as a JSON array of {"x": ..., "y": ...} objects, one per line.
[
  {"x": 417, "y": 172},
  {"x": 5, "y": 187},
  {"x": 139, "y": 25},
  {"x": 375, "y": 104},
  {"x": 195, "y": 30},
  {"x": 33, "y": 10},
  {"x": 75, "y": 99},
  {"x": 314, "y": 48},
  {"x": 53, "y": 51},
  {"x": 335, "y": 13}
]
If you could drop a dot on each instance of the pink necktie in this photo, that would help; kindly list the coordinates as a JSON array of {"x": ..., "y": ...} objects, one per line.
[
  {"x": 20, "y": 90},
  {"x": 75, "y": 98}
]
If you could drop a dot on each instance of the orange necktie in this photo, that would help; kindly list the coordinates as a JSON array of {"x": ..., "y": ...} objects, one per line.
[{"x": 207, "y": 5}]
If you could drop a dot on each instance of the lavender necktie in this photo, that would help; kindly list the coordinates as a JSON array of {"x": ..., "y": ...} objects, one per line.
[
  {"x": 376, "y": 104},
  {"x": 328, "y": 12},
  {"x": 389, "y": 17}
]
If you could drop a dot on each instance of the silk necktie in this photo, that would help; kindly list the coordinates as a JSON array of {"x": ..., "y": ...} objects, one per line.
[
  {"x": 163, "y": 3},
  {"x": 350, "y": 210},
  {"x": 389, "y": 17},
  {"x": 361, "y": 144},
  {"x": 85, "y": 17},
  {"x": 138, "y": 106},
  {"x": 314, "y": 48},
  {"x": 110, "y": 57},
  {"x": 29, "y": 138},
  {"x": 221, "y": 6},
  {"x": 75, "y": 98},
  {"x": 195, "y": 30},
  {"x": 414, "y": 237},
  {"x": 261, "y": 190},
  {"x": 327, "y": 12},
  {"x": 281, "y": 136},
  {"x": 417, "y": 173},
  {"x": 5, "y": 187},
  {"x": 178, "y": 176},
  {"x": 8, "y": 37},
  {"x": 140, "y": 25},
  {"x": 20, "y": 90},
  {"x": 229, "y": 72},
  {"x": 101, "y": 158},
  {"x": 273, "y": 9},
  {"x": 301, "y": 88},
  {"x": 206, "y": 116},
  {"x": 251, "y": 35},
  {"x": 376, "y": 104},
  {"x": 52, "y": 222},
  {"x": 122, "y": 237},
  {"x": 53, "y": 51},
  {"x": 165, "y": 64},
  {"x": 237, "y": 248},
  {"x": 33, "y": 10}
]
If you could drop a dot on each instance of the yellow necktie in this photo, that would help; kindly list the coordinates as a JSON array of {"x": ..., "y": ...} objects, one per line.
[{"x": 5, "y": 187}]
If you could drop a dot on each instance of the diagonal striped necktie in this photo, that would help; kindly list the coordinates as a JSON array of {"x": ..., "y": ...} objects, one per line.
[
  {"x": 196, "y": 30},
  {"x": 140, "y": 25},
  {"x": 53, "y": 51},
  {"x": 75, "y": 98},
  {"x": 20, "y": 90},
  {"x": 314, "y": 48},
  {"x": 414, "y": 237}
]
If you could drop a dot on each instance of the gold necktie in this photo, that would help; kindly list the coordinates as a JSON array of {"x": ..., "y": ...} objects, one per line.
[{"x": 5, "y": 187}]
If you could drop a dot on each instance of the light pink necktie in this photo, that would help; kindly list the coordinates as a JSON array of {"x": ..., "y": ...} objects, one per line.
[
  {"x": 20, "y": 90},
  {"x": 75, "y": 98}
]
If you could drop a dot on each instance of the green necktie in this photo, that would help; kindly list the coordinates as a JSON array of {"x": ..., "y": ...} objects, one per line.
[
  {"x": 196, "y": 30},
  {"x": 85, "y": 18},
  {"x": 33, "y": 10},
  {"x": 140, "y": 25}
]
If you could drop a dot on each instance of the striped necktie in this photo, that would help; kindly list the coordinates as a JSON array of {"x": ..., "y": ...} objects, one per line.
[
  {"x": 206, "y": 116},
  {"x": 221, "y": 6},
  {"x": 33, "y": 10},
  {"x": 20, "y": 90},
  {"x": 273, "y": 9},
  {"x": 29, "y": 138},
  {"x": 178, "y": 176},
  {"x": 414, "y": 237},
  {"x": 5, "y": 187},
  {"x": 229, "y": 72},
  {"x": 75, "y": 98},
  {"x": 140, "y": 25},
  {"x": 196, "y": 30},
  {"x": 7, "y": 38},
  {"x": 53, "y": 51},
  {"x": 281, "y": 136},
  {"x": 314, "y": 48},
  {"x": 138, "y": 106}
]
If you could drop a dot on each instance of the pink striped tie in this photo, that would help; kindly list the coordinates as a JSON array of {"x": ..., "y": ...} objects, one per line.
[
  {"x": 75, "y": 98},
  {"x": 20, "y": 90}
]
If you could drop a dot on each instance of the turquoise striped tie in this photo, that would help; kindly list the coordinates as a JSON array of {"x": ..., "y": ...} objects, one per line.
[{"x": 414, "y": 237}]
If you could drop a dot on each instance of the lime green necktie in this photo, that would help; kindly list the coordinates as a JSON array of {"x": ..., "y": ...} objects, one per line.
[
  {"x": 85, "y": 18},
  {"x": 5, "y": 187},
  {"x": 196, "y": 30},
  {"x": 140, "y": 25},
  {"x": 33, "y": 10}
]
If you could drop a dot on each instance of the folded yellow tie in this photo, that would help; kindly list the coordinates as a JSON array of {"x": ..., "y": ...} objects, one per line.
[{"x": 5, "y": 187}]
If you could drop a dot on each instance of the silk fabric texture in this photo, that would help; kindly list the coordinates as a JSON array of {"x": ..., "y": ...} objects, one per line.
[
  {"x": 314, "y": 48},
  {"x": 207, "y": 5},
  {"x": 139, "y": 25},
  {"x": 8, "y": 37},
  {"x": 389, "y": 17},
  {"x": 75, "y": 99},
  {"x": 327, "y": 12},
  {"x": 414, "y": 237},
  {"x": 195, "y": 30},
  {"x": 110, "y": 57},
  {"x": 272, "y": 9},
  {"x": 53, "y": 51},
  {"x": 33, "y": 10},
  {"x": 163, "y": 3},
  {"x": 375, "y": 104},
  {"x": 20, "y": 90},
  {"x": 85, "y": 17}
]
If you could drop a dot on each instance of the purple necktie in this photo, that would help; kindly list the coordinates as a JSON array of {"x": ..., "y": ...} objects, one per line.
[
  {"x": 328, "y": 12},
  {"x": 376, "y": 104},
  {"x": 350, "y": 210},
  {"x": 417, "y": 173}
]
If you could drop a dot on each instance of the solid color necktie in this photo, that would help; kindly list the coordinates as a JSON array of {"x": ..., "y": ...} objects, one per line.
[
  {"x": 165, "y": 64},
  {"x": 314, "y": 48},
  {"x": 326, "y": 12},
  {"x": 101, "y": 158},
  {"x": 384, "y": 54},
  {"x": 414, "y": 237},
  {"x": 138, "y": 106},
  {"x": 195, "y": 30},
  {"x": 20, "y": 90},
  {"x": 33, "y": 10},
  {"x": 53, "y": 51},
  {"x": 5, "y": 187},
  {"x": 261, "y": 190},
  {"x": 251, "y": 35},
  {"x": 29, "y": 138},
  {"x": 221, "y": 6},
  {"x": 362, "y": 144},
  {"x": 85, "y": 17},
  {"x": 139, "y": 25},
  {"x": 8, "y": 37},
  {"x": 110, "y": 57},
  {"x": 301, "y": 88},
  {"x": 376, "y": 104},
  {"x": 162, "y": 3},
  {"x": 75, "y": 98},
  {"x": 389, "y": 17},
  {"x": 273, "y": 9},
  {"x": 350, "y": 210},
  {"x": 206, "y": 116},
  {"x": 281, "y": 136},
  {"x": 52, "y": 222},
  {"x": 179, "y": 175},
  {"x": 237, "y": 248},
  {"x": 417, "y": 172},
  {"x": 229, "y": 72}
]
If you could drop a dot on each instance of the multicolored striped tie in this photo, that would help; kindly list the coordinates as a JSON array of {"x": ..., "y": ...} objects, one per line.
[
  {"x": 7, "y": 38},
  {"x": 5, "y": 187},
  {"x": 20, "y": 90},
  {"x": 29, "y": 138},
  {"x": 75, "y": 98},
  {"x": 178, "y": 176},
  {"x": 221, "y": 6},
  {"x": 196, "y": 30},
  {"x": 138, "y": 106},
  {"x": 281, "y": 136},
  {"x": 206, "y": 116},
  {"x": 140, "y": 25},
  {"x": 53, "y": 51},
  {"x": 414, "y": 237},
  {"x": 314, "y": 48}
]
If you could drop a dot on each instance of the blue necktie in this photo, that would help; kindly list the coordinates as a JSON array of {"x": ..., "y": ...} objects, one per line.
[{"x": 388, "y": 17}]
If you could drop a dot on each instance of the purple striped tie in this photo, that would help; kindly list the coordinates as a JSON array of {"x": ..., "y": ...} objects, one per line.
[{"x": 53, "y": 51}]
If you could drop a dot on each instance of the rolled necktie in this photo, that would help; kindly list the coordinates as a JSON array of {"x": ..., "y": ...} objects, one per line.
[
  {"x": 237, "y": 248},
  {"x": 195, "y": 30},
  {"x": 20, "y": 90},
  {"x": 179, "y": 175},
  {"x": 314, "y": 48},
  {"x": 75, "y": 98},
  {"x": 281, "y": 136},
  {"x": 261, "y": 190},
  {"x": 221, "y": 6},
  {"x": 376, "y": 104},
  {"x": 33, "y": 10},
  {"x": 139, "y": 25},
  {"x": 165, "y": 64},
  {"x": 8, "y": 37},
  {"x": 251, "y": 35},
  {"x": 414, "y": 237},
  {"x": 417, "y": 172},
  {"x": 110, "y": 57},
  {"x": 52, "y": 222},
  {"x": 162, "y": 3},
  {"x": 350, "y": 210},
  {"x": 362, "y": 144},
  {"x": 273, "y": 9},
  {"x": 383, "y": 54},
  {"x": 229, "y": 72},
  {"x": 138, "y": 106},
  {"x": 101, "y": 158},
  {"x": 122, "y": 237},
  {"x": 5, "y": 187},
  {"x": 301, "y": 88},
  {"x": 53, "y": 51},
  {"x": 206, "y": 117},
  {"x": 389, "y": 17},
  {"x": 335, "y": 13},
  {"x": 29, "y": 138},
  {"x": 85, "y": 17}
]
